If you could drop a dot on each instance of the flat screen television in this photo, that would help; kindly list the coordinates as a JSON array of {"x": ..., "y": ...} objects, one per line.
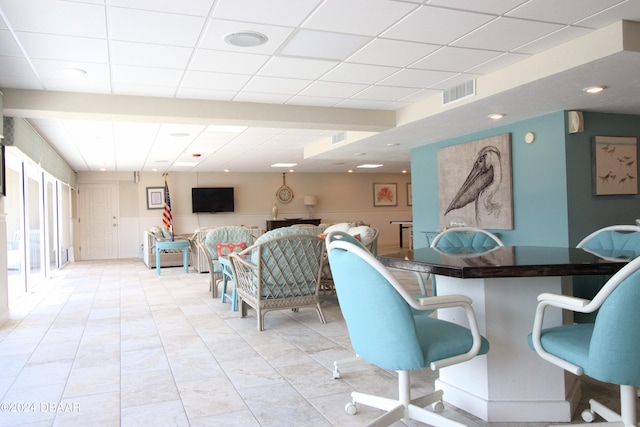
[{"x": 212, "y": 200}]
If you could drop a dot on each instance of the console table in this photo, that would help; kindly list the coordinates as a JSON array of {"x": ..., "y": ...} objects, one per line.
[{"x": 273, "y": 224}]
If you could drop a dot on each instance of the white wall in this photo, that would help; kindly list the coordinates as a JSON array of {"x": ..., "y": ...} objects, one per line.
[{"x": 341, "y": 197}]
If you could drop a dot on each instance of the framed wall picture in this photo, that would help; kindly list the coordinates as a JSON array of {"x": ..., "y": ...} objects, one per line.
[
  {"x": 409, "y": 195},
  {"x": 155, "y": 197},
  {"x": 615, "y": 165},
  {"x": 385, "y": 195}
]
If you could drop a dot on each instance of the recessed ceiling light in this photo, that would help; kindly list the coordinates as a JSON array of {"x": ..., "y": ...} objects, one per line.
[
  {"x": 283, "y": 165},
  {"x": 392, "y": 144},
  {"x": 75, "y": 72},
  {"x": 594, "y": 89},
  {"x": 246, "y": 39},
  {"x": 370, "y": 166},
  {"x": 179, "y": 134},
  {"x": 496, "y": 116},
  {"x": 359, "y": 154}
]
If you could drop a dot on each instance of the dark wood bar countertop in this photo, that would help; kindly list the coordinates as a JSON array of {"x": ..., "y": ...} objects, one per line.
[{"x": 508, "y": 261}]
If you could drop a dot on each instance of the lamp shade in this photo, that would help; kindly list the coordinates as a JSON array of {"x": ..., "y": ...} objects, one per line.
[{"x": 310, "y": 200}]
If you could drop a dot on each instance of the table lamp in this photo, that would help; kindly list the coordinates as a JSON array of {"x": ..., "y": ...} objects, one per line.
[{"x": 310, "y": 202}]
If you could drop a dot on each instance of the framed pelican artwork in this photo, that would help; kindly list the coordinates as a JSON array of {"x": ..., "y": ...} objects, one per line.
[{"x": 475, "y": 184}]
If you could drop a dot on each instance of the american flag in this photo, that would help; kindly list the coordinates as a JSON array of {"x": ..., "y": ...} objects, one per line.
[{"x": 167, "y": 218}]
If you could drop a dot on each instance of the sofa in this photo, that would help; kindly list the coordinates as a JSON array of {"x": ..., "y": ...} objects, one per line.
[{"x": 168, "y": 258}]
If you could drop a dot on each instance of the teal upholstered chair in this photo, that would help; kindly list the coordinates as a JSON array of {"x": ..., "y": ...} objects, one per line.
[
  {"x": 466, "y": 237},
  {"x": 281, "y": 270},
  {"x": 615, "y": 241},
  {"x": 607, "y": 350},
  {"x": 461, "y": 240},
  {"x": 385, "y": 331},
  {"x": 225, "y": 235}
]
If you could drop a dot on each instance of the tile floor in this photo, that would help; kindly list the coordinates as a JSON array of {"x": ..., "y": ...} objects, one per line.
[{"x": 110, "y": 343}]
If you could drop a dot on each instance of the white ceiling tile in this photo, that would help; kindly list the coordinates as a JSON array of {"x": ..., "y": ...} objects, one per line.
[
  {"x": 154, "y": 27},
  {"x": 64, "y": 47},
  {"x": 276, "y": 85},
  {"x": 143, "y": 90},
  {"x": 217, "y": 30},
  {"x": 185, "y": 7},
  {"x": 332, "y": 89},
  {"x": 358, "y": 73},
  {"x": 393, "y": 53},
  {"x": 317, "y": 101},
  {"x": 454, "y": 81},
  {"x": 436, "y": 25},
  {"x": 88, "y": 86},
  {"x": 13, "y": 66},
  {"x": 56, "y": 17},
  {"x": 275, "y": 12},
  {"x": 145, "y": 75},
  {"x": 385, "y": 93},
  {"x": 227, "y": 62},
  {"x": 554, "y": 39},
  {"x": 501, "y": 61},
  {"x": 281, "y": 66},
  {"x": 266, "y": 98},
  {"x": 215, "y": 81},
  {"x": 565, "y": 11},
  {"x": 629, "y": 10},
  {"x": 200, "y": 93},
  {"x": 149, "y": 55},
  {"x": 373, "y": 16},
  {"x": 455, "y": 59},
  {"x": 50, "y": 69},
  {"x": 506, "y": 34},
  {"x": 495, "y": 7},
  {"x": 416, "y": 78},
  {"x": 8, "y": 45},
  {"x": 321, "y": 44}
]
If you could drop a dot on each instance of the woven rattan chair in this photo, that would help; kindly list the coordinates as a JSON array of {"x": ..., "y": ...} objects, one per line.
[
  {"x": 225, "y": 234},
  {"x": 282, "y": 270}
]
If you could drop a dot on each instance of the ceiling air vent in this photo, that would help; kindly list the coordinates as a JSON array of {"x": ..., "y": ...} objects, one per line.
[
  {"x": 459, "y": 92},
  {"x": 338, "y": 138}
]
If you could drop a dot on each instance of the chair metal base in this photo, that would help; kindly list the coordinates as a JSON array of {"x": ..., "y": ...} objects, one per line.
[
  {"x": 404, "y": 407},
  {"x": 626, "y": 418}
]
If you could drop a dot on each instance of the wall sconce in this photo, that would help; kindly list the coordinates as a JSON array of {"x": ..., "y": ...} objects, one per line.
[{"x": 310, "y": 202}]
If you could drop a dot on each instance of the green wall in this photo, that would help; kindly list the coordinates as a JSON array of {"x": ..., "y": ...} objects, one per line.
[{"x": 553, "y": 200}]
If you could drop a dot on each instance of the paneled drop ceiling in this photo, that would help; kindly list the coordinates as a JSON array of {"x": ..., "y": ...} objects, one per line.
[{"x": 141, "y": 85}]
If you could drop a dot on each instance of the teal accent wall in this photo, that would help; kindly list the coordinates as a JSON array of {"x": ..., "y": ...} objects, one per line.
[{"x": 553, "y": 199}]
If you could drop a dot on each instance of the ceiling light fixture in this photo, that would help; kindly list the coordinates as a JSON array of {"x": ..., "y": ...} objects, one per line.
[
  {"x": 594, "y": 89},
  {"x": 496, "y": 116},
  {"x": 246, "y": 39},
  {"x": 283, "y": 165},
  {"x": 370, "y": 166},
  {"x": 178, "y": 134},
  {"x": 75, "y": 72}
]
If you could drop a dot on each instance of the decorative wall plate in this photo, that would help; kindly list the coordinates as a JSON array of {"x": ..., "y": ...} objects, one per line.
[{"x": 284, "y": 193}]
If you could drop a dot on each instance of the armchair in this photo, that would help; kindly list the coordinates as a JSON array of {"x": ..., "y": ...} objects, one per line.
[
  {"x": 385, "y": 331},
  {"x": 168, "y": 258},
  {"x": 281, "y": 270},
  {"x": 607, "y": 350},
  {"x": 208, "y": 247}
]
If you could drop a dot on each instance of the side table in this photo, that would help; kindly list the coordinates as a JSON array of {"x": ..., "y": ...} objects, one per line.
[
  {"x": 227, "y": 273},
  {"x": 175, "y": 244}
]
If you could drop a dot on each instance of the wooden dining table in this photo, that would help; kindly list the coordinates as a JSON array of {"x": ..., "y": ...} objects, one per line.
[{"x": 510, "y": 383}]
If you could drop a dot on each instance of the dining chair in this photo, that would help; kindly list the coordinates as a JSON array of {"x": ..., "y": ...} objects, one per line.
[
  {"x": 231, "y": 234},
  {"x": 607, "y": 350},
  {"x": 385, "y": 331},
  {"x": 466, "y": 237},
  {"x": 281, "y": 270},
  {"x": 614, "y": 241}
]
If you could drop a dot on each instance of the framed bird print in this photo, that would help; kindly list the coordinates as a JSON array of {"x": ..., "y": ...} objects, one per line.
[
  {"x": 615, "y": 165},
  {"x": 475, "y": 184}
]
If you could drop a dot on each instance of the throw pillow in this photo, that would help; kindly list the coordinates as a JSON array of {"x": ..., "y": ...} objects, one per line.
[{"x": 225, "y": 249}]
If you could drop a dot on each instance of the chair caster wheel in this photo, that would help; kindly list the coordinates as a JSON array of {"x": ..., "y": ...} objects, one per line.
[
  {"x": 350, "y": 408},
  {"x": 588, "y": 415},
  {"x": 437, "y": 407}
]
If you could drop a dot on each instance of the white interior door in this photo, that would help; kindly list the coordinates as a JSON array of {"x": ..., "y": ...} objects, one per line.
[{"x": 98, "y": 216}]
